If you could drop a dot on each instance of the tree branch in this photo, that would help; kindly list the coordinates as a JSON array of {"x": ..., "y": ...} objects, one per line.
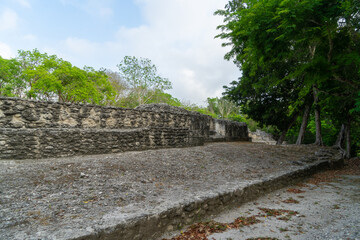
[
  {"x": 313, "y": 21},
  {"x": 346, "y": 81},
  {"x": 331, "y": 45},
  {"x": 333, "y": 94}
]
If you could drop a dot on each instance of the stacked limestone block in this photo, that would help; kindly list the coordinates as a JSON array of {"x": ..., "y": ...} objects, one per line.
[{"x": 38, "y": 129}]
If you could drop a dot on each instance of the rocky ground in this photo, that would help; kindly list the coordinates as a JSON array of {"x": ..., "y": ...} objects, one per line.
[
  {"x": 326, "y": 206},
  {"x": 65, "y": 198}
]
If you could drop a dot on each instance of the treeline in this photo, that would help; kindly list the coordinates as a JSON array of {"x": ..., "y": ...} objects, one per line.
[
  {"x": 39, "y": 76},
  {"x": 36, "y": 75},
  {"x": 300, "y": 64}
]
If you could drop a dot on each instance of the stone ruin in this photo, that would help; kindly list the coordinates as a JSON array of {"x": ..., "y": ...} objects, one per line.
[
  {"x": 262, "y": 137},
  {"x": 39, "y": 129}
]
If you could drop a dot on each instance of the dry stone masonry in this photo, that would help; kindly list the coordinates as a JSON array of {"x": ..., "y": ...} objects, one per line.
[
  {"x": 39, "y": 129},
  {"x": 262, "y": 137}
]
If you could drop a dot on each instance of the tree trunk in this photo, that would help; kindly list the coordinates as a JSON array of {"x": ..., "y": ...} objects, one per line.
[
  {"x": 340, "y": 138},
  {"x": 318, "y": 140},
  {"x": 284, "y": 132},
  {"x": 282, "y": 137},
  {"x": 348, "y": 140},
  {"x": 60, "y": 97},
  {"x": 303, "y": 125}
]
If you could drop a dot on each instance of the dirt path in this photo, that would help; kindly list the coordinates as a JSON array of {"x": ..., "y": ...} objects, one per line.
[{"x": 326, "y": 206}]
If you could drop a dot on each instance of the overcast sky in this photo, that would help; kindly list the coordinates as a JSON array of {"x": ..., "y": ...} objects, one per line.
[{"x": 176, "y": 35}]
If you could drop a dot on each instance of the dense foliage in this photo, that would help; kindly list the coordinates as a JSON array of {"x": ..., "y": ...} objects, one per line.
[
  {"x": 143, "y": 81},
  {"x": 36, "y": 75},
  {"x": 295, "y": 54}
]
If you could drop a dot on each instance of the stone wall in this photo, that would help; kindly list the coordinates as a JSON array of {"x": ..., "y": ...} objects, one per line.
[
  {"x": 262, "y": 137},
  {"x": 37, "y": 129},
  {"x": 18, "y": 113},
  {"x": 224, "y": 130}
]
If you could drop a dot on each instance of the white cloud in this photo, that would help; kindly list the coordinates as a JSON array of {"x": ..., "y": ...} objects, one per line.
[
  {"x": 30, "y": 37},
  {"x": 178, "y": 36},
  {"x": 24, "y": 3},
  {"x": 80, "y": 46},
  {"x": 5, "y": 51},
  {"x": 105, "y": 12},
  {"x": 78, "y": 51},
  {"x": 97, "y": 8},
  {"x": 189, "y": 83},
  {"x": 8, "y": 19}
]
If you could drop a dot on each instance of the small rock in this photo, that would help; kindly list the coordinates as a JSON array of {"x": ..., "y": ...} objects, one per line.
[
  {"x": 297, "y": 163},
  {"x": 170, "y": 228}
]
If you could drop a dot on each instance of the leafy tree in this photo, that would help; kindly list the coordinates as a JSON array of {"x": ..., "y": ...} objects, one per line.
[
  {"x": 223, "y": 108},
  {"x": 196, "y": 108},
  {"x": 162, "y": 97},
  {"x": 41, "y": 76},
  {"x": 262, "y": 90},
  {"x": 357, "y": 104},
  {"x": 104, "y": 92},
  {"x": 120, "y": 87},
  {"x": 36, "y": 73},
  {"x": 10, "y": 82},
  {"x": 83, "y": 85},
  {"x": 142, "y": 77},
  {"x": 293, "y": 47},
  {"x": 267, "y": 105}
]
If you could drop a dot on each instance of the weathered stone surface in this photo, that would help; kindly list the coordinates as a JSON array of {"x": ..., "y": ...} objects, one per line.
[
  {"x": 229, "y": 131},
  {"x": 50, "y": 142},
  {"x": 139, "y": 195},
  {"x": 64, "y": 115},
  {"x": 262, "y": 137},
  {"x": 62, "y": 129}
]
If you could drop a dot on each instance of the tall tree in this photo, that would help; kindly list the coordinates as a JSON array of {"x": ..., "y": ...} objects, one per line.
[
  {"x": 314, "y": 44},
  {"x": 11, "y": 84},
  {"x": 119, "y": 85},
  {"x": 143, "y": 79},
  {"x": 36, "y": 73},
  {"x": 304, "y": 124},
  {"x": 41, "y": 76},
  {"x": 222, "y": 107}
]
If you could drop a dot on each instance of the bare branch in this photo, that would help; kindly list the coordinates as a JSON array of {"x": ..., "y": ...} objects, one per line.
[
  {"x": 346, "y": 81},
  {"x": 317, "y": 23},
  {"x": 333, "y": 94}
]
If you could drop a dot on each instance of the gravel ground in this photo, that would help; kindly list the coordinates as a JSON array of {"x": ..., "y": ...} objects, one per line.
[
  {"x": 326, "y": 206},
  {"x": 64, "y": 197}
]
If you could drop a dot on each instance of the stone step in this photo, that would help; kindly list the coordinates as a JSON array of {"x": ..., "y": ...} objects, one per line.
[
  {"x": 59, "y": 142},
  {"x": 151, "y": 223}
]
